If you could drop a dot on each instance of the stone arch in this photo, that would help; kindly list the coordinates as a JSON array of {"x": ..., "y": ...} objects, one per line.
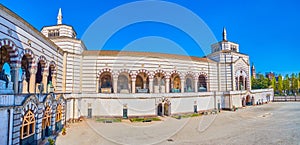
[
  {"x": 48, "y": 100},
  {"x": 105, "y": 81},
  {"x": 42, "y": 59},
  {"x": 104, "y": 70},
  {"x": 189, "y": 82},
  {"x": 29, "y": 55},
  {"x": 175, "y": 81},
  {"x": 144, "y": 71},
  {"x": 30, "y": 104},
  {"x": 41, "y": 74},
  {"x": 160, "y": 71},
  {"x": 202, "y": 73},
  {"x": 163, "y": 107},
  {"x": 124, "y": 71},
  {"x": 190, "y": 73},
  {"x": 11, "y": 48},
  {"x": 241, "y": 79},
  {"x": 27, "y": 60},
  {"x": 159, "y": 81},
  {"x": 142, "y": 79},
  {"x": 51, "y": 78},
  {"x": 124, "y": 81},
  {"x": 60, "y": 100}
]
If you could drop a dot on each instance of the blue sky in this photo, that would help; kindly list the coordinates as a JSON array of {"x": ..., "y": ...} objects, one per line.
[{"x": 267, "y": 30}]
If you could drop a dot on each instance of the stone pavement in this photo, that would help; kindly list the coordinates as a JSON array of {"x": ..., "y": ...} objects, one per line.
[{"x": 275, "y": 123}]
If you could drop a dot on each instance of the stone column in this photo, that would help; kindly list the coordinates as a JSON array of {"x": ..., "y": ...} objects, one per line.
[
  {"x": 54, "y": 81},
  {"x": 162, "y": 109},
  {"x": 24, "y": 86},
  {"x": 145, "y": 83},
  {"x": 11, "y": 127},
  {"x": 167, "y": 85},
  {"x": 182, "y": 85},
  {"x": 151, "y": 85},
  {"x": 32, "y": 80},
  {"x": 38, "y": 125},
  {"x": 207, "y": 86},
  {"x": 244, "y": 83},
  {"x": 133, "y": 85},
  {"x": 115, "y": 84},
  {"x": 44, "y": 81},
  {"x": 64, "y": 75},
  {"x": 196, "y": 85},
  {"x": 97, "y": 85},
  {"x": 238, "y": 83},
  {"x": 15, "y": 78}
]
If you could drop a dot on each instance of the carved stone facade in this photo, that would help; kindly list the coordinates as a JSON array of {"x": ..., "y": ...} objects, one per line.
[{"x": 53, "y": 78}]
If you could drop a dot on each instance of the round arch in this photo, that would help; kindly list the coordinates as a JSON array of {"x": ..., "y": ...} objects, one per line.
[
  {"x": 124, "y": 82},
  {"x": 159, "y": 81},
  {"x": 175, "y": 82},
  {"x": 105, "y": 81},
  {"x": 142, "y": 81},
  {"x": 11, "y": 48},
  {"x": 189, "y": 83}
]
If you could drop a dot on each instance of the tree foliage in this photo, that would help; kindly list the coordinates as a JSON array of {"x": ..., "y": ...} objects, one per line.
[
  {"x": 261, "y": 82},
  {"x": 286, "y": 83},
  {"x": 280, "y": 84}
]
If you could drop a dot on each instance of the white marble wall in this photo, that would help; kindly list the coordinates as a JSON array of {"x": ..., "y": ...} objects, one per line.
[{"x": 3, "y": 126}]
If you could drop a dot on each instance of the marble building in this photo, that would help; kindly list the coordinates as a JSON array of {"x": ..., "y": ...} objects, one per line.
[{"x": 53, "y": 78}]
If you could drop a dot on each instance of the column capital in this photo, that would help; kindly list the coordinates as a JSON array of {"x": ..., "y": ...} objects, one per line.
[
  {"x": 15, "y": 65},
  {"x": 133, "y": 79},
  {"x": 33, "y": 71},
  {"x": 45, "y": 73}
]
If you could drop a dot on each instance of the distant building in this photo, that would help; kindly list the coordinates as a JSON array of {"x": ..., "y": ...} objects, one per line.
[
  {"x": 270, "y": 75},
  {"x": 253, "y": 73}
]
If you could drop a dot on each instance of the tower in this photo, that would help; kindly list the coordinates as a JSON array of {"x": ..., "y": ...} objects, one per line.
[
  {"x": 234, "y": 68},
  {"x": 59, "y": 17},
  {"x": 224, "y": 34},
  {"x": 225, "y": 45},
  {"x": 253, "y": 73}
]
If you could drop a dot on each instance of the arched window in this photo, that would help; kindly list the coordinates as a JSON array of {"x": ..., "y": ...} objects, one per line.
[
  {"x": 189, "y": 84},
  {"x": 58, "y": 116},
  {"x": 49, "y": 78},
  {"x": 105, "y": 83},
  {"x": 4, "y": 65},
  {"x": 159, "y": 83},
  {"x": 175, "y": 83},
  {"x": 123, "y": 83},
  {"x": 241, "y": 83},
  {"x": 28, "y": 125},
  {"x": 202, "y": 84},
  {"x": 38, "y": 76},
  {"x": 47, "y": 118},
  {"x": 142, "y": 83},
  {"x": 24, "y": 73}
]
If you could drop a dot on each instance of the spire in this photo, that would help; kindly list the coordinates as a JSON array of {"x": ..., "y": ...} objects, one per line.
[
  {"x": 253, "y": 66},
  {"x": 59, "y": 17},
  {"x": 224, "y": 34}
]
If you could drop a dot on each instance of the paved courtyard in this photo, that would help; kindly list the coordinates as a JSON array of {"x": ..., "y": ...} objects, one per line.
[{"x": 274, "y": 123}]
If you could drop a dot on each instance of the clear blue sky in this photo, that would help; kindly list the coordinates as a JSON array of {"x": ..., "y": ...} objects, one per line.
[{"x": 267, "y": 30}]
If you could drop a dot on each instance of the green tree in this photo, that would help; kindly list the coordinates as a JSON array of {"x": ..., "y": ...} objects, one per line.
[
  {"x": 273, "y": 83},
  {"x": 298, "y": 82},
  {"x": 286, "y": 84},
  {"x": 261, "y": 82},
  {"x": 280, "y": 84},
  {"x": 294, "y": 83}
]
